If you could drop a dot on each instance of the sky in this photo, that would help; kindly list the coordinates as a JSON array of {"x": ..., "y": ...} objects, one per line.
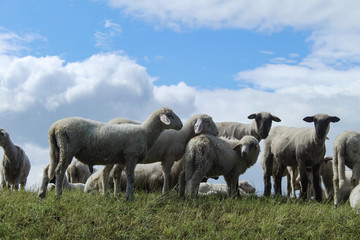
[{"x": 103, "y": 59}]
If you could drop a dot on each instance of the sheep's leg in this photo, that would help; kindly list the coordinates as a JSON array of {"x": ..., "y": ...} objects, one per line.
[
  {"x": 316, "y": 183},
  {"x": 195, "y": 182},
  {"x": 278, "y": 177},
  {"x": 267, "y": 175},
  {"x": 304, "y": 181},
  {"x": 291, "y": 181},
  {"x": 117, "y": 179},
  {"x": 336, "y": 177},
  {"x": 105, "y": 178},
  {"x": 233, "y": 189},
  {"x": 166, "y": 167},
  {"x": 65, "y": 160},
  {"x": 130, "y": 172},
  {"x": 182, "y": 183},
  {"x": 288, "y": 186}
]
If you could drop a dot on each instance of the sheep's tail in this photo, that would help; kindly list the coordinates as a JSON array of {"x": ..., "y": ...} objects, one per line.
[{"x": 54, "y": 154}]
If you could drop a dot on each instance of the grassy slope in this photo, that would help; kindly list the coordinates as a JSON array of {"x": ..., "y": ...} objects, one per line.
[{"x": 155, "y": 216}]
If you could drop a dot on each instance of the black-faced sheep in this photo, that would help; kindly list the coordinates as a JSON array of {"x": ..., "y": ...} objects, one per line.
[
  {"x": 302, "y": 147},
  {"x": 259, "y": 128},
  {"x": 15, "y": 165},
  {"x": 98, "y": 143},
  {"x": 210, "y": 156}
]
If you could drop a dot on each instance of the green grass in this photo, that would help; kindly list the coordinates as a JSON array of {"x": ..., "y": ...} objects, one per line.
[{"x": 154, "y": 216}]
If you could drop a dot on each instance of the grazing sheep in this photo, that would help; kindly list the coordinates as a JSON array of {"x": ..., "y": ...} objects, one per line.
[
  {"x": 259, "y": 128},
  {"x": 302, "y": 147},
  {"x": 215, "y": 188},
  {"x": 354, "y": 199},
  {"x": 211, "y": 156},
  {"x": 170, "y": 146},
  {"x": 78, "y": 172},
  {"x": 148, "y": 177},
  {"x": 97, "y": 143},
  {"x": 15, "y": 165},
  {"x": 66, "y": 185},
  {"x": 346, "y": 152}
]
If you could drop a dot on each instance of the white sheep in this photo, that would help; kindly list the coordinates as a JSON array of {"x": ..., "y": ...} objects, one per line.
[
  {"x": 346, "y": 152},
  {"x": 215, "y": 188},
  {"x": 354, "y": 199},
  {"x": 210, "y": 156},
  {"x": 170, "y": 146},
  {"x": 66, "y": 184},
  {"x": 259, "y": 128},
  {"x": 15, "y": 165},
  {"x": 148, "y": 177},
  {"x": 78, "y": 172},
  {"x": 302, "y": 147},
  {"x": 98, "y": 143}
]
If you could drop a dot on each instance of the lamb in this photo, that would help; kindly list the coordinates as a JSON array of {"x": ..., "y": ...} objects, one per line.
[
  {"x": 259, "y": 128},
  {"x": 97, "y": 143},
  {"x": 148, "y": 177},
  {"x": 78, "y": 172},
  {"x": 302, "y": 147},
  {"x": 354, "y": 199},
  {"x": 15, "y": 165},
  {"x": 211, "y": 156},
  {"x": 346, "y": 152},
  {"x": 170, "y": 146},
  {"x": 215, "y": 188}
]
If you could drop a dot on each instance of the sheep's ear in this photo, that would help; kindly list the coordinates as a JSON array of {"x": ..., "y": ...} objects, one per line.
[
  {"x": 2, "y": 132},
  {"x": 198, "y": 127},
  {"x": 308, "y": 119},
  {"x": 165, "y": 119},
  {"x": 275, "y": 118},
  {"x": 237, "y": 147},
  {"x": 334, "y": 119},
  {"x": 252, "y": 116}
]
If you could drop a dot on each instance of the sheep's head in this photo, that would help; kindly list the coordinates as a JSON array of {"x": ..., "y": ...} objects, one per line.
[
  {"x": 170, "y": 119},
  {"x": 248, "y": 147},
  {"x": 205, "y": 125},
  {"x": 321, "y": 123},
  {"x": 263, "y": 122},
  {"x": 3, "y": 137}
]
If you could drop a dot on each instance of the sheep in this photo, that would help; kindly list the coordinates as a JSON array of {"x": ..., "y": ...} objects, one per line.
[
  {"x": 15, "y": 165},
  {"x": 346, "y": 152},
  {"x": 214, "y": 188},
  {"x": 354, "y": 199},
  {"x": 170, "y": 146},
  {"x": 148, "y": 177},
  {"x": 66, "y": 184},
  {"x": 212, "y": 156},
  {"x": 302, "y": 147},
  {"x": 78, "y": 172},
  {"x": 259, "y": 128},
  {"x": 98, "y": 143}
]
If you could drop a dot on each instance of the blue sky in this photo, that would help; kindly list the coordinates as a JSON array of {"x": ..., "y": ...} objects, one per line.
[{"x": 117, "y": 58}]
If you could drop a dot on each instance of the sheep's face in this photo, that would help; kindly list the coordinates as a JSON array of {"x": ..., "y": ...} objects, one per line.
[
  {"x": 248, "y": 147},
  {"x": 263, "y": 122},
  {"x": 321, "y": 123},
  {"x": 170, "y": 119},
  {"x": 205, "y": 125}
]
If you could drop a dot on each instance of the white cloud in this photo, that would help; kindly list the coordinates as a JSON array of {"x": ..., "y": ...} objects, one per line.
[
  {"x": 334, "y": 25},
  {"x": 105, "y": 38},
  {"x": 13, "y": 43}
]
